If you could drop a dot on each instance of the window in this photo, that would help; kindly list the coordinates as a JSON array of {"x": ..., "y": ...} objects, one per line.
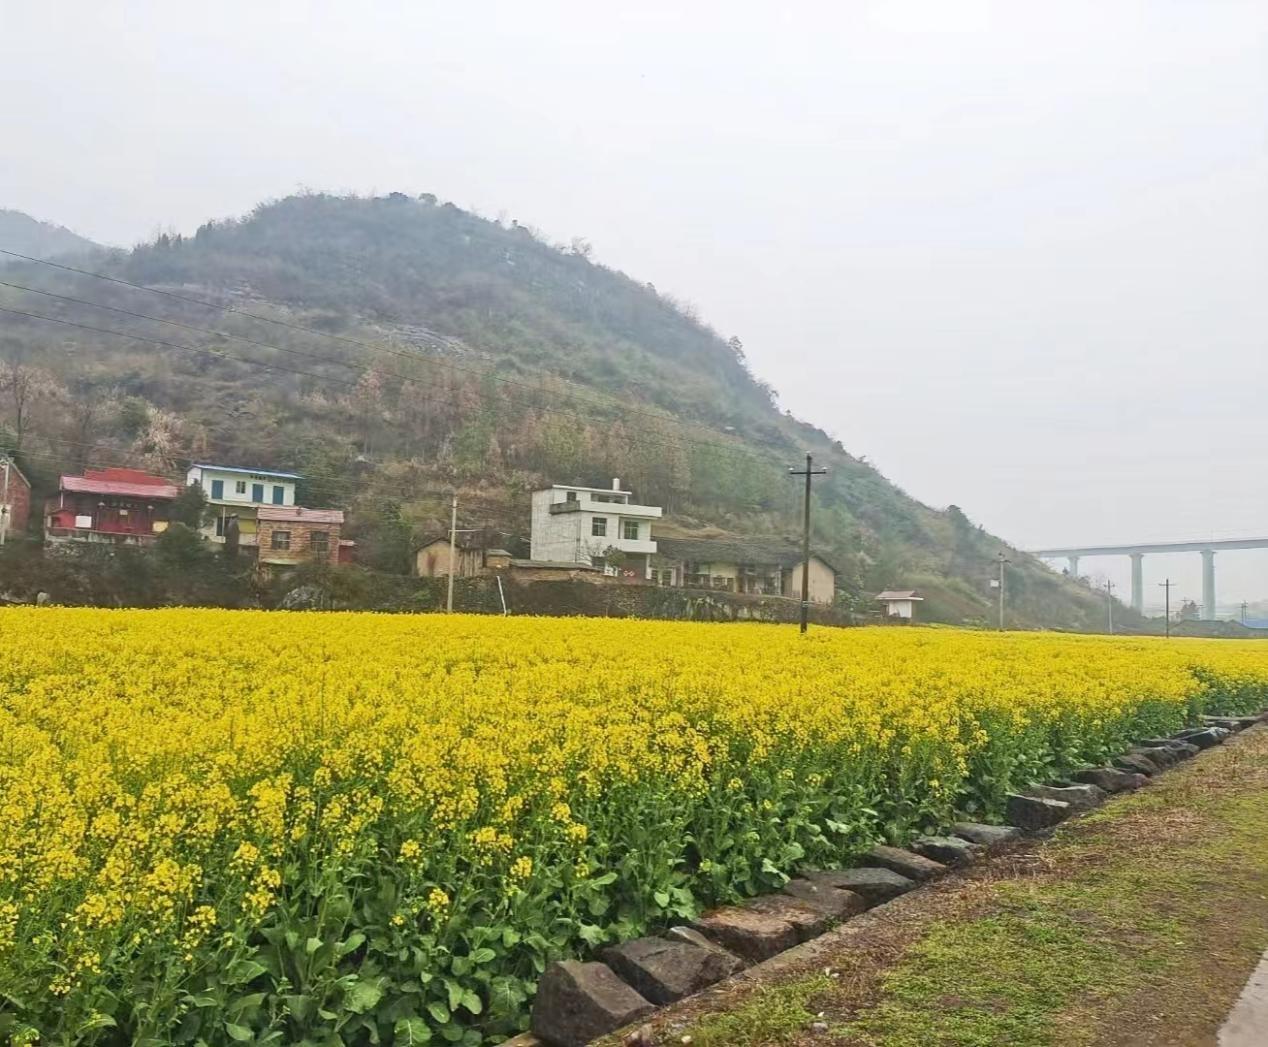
[
  {"x": 599, "y": 526},
  {"x": 571, "y": 496},
  {"x": 279, "y": 493},
  {"x": 319, "y": 543},
  {"x": 257, "y": 492},
  {"x": 220, "y": 526},
  {"x": 217, "y": 488},
  {"x": 281, "y": 540},
  {"x": 631, "y": 530},
  {"x": 239, "y": 487}
]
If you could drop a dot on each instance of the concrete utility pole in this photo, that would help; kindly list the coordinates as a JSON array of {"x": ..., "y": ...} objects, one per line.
[
  {"x": 453, "y": 552},
  {"x": 1000, "y": 585},
  {"x": 4, "y": 499},
  {"x": 1167, "y": 586},
  {"x": 1109, "y": 603},
  {"x": 807, "y": 472}
]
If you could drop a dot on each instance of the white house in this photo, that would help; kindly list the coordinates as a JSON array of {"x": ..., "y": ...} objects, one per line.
[
  {"x": 580, "y": 524},
  {"x": 900, "y": 603},
  {"x": 234, "y": 491}
]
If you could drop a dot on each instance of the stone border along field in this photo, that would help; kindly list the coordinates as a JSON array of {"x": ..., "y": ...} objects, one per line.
[{"x": 763, "y": 939}]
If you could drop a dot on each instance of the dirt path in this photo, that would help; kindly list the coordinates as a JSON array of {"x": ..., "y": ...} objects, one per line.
[{"x": 1137, "y": 926}]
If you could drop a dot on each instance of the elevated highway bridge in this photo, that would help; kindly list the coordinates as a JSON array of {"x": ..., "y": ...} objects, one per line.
[{"x": 1207, "y": 549}]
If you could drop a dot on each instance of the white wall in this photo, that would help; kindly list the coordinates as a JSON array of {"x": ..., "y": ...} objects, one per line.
[{"x": 232, "y": 496}]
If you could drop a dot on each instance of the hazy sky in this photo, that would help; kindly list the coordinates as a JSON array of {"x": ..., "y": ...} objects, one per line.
[{"x": 1016, "y": 253}]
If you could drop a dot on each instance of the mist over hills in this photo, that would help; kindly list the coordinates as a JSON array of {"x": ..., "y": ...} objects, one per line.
[
  {"x": 446, "y": 350},
  {"x": 26, "y": 235}
]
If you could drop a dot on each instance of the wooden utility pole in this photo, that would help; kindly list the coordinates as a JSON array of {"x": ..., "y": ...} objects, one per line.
[
  {"x": 1167, "y": 586},
  {"x": 453, "y": 552},
  {"x": 808, "y": 472}
]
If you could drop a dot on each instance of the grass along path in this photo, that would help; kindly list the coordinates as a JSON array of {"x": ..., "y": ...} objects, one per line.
[{"x": 1137, "y": 925}]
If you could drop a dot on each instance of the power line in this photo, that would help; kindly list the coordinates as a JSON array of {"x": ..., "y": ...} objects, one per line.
[{"x": 371, "y": 346}]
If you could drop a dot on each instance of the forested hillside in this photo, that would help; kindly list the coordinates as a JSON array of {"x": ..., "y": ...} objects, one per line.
[
  {"x": 416, "y": 348},
  {"x": 20, "y": 232}
]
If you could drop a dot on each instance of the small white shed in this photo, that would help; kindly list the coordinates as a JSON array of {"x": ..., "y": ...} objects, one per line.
[{"x": 900, "y": 603}]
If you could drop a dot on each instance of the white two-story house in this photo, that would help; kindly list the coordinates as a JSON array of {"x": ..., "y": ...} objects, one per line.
[
  {"x": 579, "y": 525},
  {"x": 232, "y": 491}
]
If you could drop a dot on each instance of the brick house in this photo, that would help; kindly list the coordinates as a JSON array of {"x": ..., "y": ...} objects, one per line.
[
  {"x": 15, "y": 499},
  {"x": 290, "y": 535}
]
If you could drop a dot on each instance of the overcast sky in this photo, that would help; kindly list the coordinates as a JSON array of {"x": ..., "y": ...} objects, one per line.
[{"x": 1015, "y": 253}]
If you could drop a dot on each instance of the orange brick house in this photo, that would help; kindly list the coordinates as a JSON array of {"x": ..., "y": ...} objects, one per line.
[
  {"x": 291, "y": 535},
  {"x": 15, "y": 498}
]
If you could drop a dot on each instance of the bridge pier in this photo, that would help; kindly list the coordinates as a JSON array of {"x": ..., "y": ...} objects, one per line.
[
  {"x": 1208, "y": 585},
  {"x": 1073, "y": 562},
  {"x": 1138, "y": 582}
]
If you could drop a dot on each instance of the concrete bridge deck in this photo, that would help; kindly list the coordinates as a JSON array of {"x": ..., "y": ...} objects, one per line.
[{"x": 1072, "y": 554}]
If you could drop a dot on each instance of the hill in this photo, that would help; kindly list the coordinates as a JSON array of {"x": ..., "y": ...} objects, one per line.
[
  {"x": 26, "y": 235},
  {"x": 397, "y": 347}
]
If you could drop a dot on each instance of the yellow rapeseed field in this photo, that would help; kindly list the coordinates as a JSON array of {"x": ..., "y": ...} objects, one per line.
[{"x": 221, "y": 826}]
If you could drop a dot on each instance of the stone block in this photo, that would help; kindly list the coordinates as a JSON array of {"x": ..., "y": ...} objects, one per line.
[
  {"x": 1109, "y": 779},
  {"x": 1080, "y": 797},
  {"x": 1204, "y": 737},
  {"x": 1232, "y": 723},
  {"x": 1160, "y": 754},
  {"x": 905, "y": 863},
  {"x": 1180, "y": 746},
  {"x": 693, "y": 937},
  {"x": 836, "y": 903},
  {"x": 986, "y": 835},
  {"x": 949, "y": 850},
  {"x": 1136, "y": 763},
  {"x": 663, "y": 970},
  {"x": 578, "y": 1002},
  {"x": 807, "y": 921},
  {"x": 871, "y": 884},
  {"x": 753, "y": 936},
  {"x": 1035, "y": 812}
]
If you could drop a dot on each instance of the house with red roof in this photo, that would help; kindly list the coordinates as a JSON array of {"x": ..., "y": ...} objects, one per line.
[{"x": 113, "y": 506}]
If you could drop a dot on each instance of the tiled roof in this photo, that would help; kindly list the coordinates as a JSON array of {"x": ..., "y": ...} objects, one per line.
[
  {"x": 732, "y": 550},
  {"x": 162, "y": 490},
  {"x": 298, "y": 514}
]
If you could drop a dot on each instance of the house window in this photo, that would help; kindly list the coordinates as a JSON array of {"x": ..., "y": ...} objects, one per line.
[
  {"x": 281, "y": 540},
  {"x": 631, "y": 530},
  {"x": 599, "y": 526},
  {"x": 571, "y": 496},
  {"x": 319, "y": 543},
  {"x": 239, "y": 487},
  {"x": 257, "y": 492},
  {"x": 279, "y": 493},
  {"x": 220, "y": 526},
  {"x": 217, "y": 488}
]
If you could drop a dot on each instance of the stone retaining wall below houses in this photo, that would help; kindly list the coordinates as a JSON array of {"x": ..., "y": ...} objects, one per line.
[{"x": 568, "y": 597}]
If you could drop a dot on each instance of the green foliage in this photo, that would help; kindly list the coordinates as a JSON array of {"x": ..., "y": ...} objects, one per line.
[
  {"x": 385, "y": 540},
  {"x": 190, "y": 507}
]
